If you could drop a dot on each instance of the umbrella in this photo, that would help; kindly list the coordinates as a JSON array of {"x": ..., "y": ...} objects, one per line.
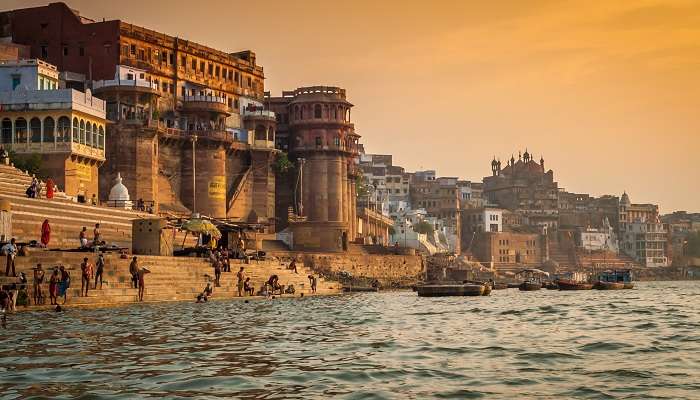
[{"x": 196, "y": 225}]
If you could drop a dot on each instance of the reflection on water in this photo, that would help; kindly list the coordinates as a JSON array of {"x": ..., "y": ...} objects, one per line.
[{"x": 643, "y": 343}]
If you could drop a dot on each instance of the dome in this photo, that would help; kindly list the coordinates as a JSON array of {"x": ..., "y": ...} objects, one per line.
[
  {"x": 625, "y": 199},
  {"x": 119, "y": 192}
]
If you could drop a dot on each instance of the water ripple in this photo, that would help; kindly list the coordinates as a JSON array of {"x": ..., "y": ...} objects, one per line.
[{"x": 620, "y": 344}]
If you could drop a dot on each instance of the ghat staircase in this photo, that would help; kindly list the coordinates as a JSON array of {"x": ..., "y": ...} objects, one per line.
[{"x": 171, "y": 278}]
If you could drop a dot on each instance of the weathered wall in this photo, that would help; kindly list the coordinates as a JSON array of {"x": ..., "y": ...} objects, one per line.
[
  {"x": 169, "y": 172},
  {"x": 390, "y": 270}
]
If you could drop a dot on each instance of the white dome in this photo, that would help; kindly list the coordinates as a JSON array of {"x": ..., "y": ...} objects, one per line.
[{"x": 119, "y": 192}]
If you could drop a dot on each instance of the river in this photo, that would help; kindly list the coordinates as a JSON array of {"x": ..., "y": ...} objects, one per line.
[{"x": 641, "y": 343}]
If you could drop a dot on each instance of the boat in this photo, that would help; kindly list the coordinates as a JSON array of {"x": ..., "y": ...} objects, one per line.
[
  {"x": 450, "y": 289},
  {"x": 551, "y": 285},
  {"x": 530, "y": 286},
  {"x": 512, "y": 285},
  {"x": 614, "y": 280},
  {"x": 574, "y": 281},
  {"x": 500, "y": 286},
  {"x": 532, "y": 279}
]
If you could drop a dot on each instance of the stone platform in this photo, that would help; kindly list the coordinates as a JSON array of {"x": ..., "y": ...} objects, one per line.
[{"x": 171, "y": 278}]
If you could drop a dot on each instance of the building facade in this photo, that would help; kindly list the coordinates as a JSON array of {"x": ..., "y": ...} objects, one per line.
[
  {"x": 65, "y": 127},
  {"x": 321, "y": 141}
]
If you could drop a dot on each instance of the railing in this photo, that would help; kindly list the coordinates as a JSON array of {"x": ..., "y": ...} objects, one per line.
[
  {"x": 139, "y": 205},
  {"x": 205, "y": 99},
  {"x": 261, "y": 113},
  {"x": 124, "y": 82}
]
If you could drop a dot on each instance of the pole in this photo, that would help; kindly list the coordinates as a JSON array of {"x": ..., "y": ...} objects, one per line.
[{"x": 194, "y": 175}]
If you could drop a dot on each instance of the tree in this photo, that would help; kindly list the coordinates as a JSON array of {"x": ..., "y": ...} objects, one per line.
[
  {"x": 282, "y": 163},
  {"x": 424, "y": 228},
  {"x": 31, "y": 163}
]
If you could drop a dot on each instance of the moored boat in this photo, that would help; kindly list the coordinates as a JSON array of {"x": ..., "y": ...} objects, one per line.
[
  {"x": 450, "y": 289},
  {"x": 629, "y": 285},
  {"x": 530, "y": 286},
  {"x": 565, "y": 284},
  {"x": 602, "y": 285}
]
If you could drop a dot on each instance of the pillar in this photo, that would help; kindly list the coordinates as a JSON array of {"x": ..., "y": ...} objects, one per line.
[
  {"x": 335, "y": 189},
  {"x": 319, "y": 189},
  {"x": 210, "y": 179}
]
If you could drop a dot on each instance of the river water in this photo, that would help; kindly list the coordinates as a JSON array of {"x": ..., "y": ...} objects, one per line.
[{"x": 642, "y": 343}]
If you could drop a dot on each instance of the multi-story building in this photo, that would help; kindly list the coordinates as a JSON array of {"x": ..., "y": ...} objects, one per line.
[
  {"x": 179, "y": 111},
  {"x": 646, "y": 242},
  {"x": 509, "y": 250},
  {"x": 322, "y": 141},
  {"x": 598, "y": 239},
  {"x": 524, "y": 186},
  {"x": 470, "y": 194},
  {"x": 64, "y": 126},
  {"x": 388, "y": 184},
  {"x": 440, "y": 197}
]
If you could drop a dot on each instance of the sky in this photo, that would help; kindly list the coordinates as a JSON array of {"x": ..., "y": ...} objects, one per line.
[{"x": 607, "y": 92}]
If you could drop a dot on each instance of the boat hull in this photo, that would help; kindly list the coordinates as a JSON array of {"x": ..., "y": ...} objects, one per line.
[
  {"x": 450, "y": 290},
  {"x": 609, "y": 286},
  {"x": 629, "y": 285},
  {"x": 529, "y": 286},
  {"x": 568, "y": 285}
]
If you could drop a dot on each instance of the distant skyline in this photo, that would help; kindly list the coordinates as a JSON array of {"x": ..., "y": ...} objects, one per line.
[{"x": 608, "y": 92}]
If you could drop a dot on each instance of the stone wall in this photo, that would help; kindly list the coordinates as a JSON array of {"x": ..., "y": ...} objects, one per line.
[{"x": 390, "y": 270}]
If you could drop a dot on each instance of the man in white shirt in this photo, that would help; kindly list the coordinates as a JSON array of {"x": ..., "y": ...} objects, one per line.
[{"x": 10, "y": 250}]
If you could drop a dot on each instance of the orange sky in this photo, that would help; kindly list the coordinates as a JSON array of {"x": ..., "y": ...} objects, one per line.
[{"x": 607, "y": 92}]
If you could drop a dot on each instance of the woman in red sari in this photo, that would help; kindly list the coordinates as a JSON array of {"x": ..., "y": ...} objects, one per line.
[
  {"x": 49, "y": 188},
  {"x": 45, "y": 233}
]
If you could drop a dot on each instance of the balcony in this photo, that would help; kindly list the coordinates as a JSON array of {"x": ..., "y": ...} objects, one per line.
[
  {"x": 132, "y": 85},
  {"x": 259, "y": 114},
  {"x": 67, "y": 148},
  {"x": 198, "y": 104}
]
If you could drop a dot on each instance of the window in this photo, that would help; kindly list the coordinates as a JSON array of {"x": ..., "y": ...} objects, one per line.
[
  {"x": 317, "y": 111},
  {"x": 260, "y": 132},
  {"x": 236, "y": 77},
  {"x": 44, "y": 51},
  {"x": 318, "y": 141},
  {"x": 81, "y": 138},
  {"x": 183, "y": 61},
  {"x": 101, "y": 138},
  {"x": 20, "y": 130},
  {"x": 6, "y": 134},
  {"x": 16, "y": 80},
  {"x": 81, "y": 51},
  {"x": 218, "y": 71},
  {"x": 230, "y": 75},
  {"x": 142, "y": 55},
  {"x": 172, "y": 58},
  {"x": 201, "y": 66},
  {"x": 249, "y": 82},
  {"x": 211, "y": 69},
  {"x": 35, "y": 127},
  {"x": 132, "y": 49},
  {"x": 63, "y": 131},
  {"x": 194, "y": 65},
  {"x": 76, "y": 132},
  {"x": 88, "y": 134},
  {"x": 164, "y": 57},
  {"x": 336, "y": 141},
  {"x": 65, "y": 50}
]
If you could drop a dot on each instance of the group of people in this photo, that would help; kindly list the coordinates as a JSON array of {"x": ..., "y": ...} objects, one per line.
[
  {"x": 220, "y": 261},
  {"x": 34, "y": 189},
  {"x": 96, "y": 237}
]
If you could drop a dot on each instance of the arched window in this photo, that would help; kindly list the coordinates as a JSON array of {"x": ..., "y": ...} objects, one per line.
[
  {"x": 101, "y": 136},
  {"x": 35, "y": 127},
  {"x": 82, "y": 131},
  {"x": 296, "y": 112},
  {"x": 260, "y": 132},
  {"x": 20, "y": 130},
  {"x": 76, "y": 131},
  {"x": 271, "y": 134},
  {"x": 63, "y": 131},
  {"x": 317, "y": 111},
  {"x": 94, "y": 135},
  {"x": 88, "y": 133},
  {"x": 335, "y": 112},
  {"x": 49, "y": 126},
  {"x": 6, "y": 135},
  {"x": 347, "y": 115}
]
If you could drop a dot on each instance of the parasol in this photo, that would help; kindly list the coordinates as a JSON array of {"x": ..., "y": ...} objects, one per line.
[{"x": 196, "y": 225}]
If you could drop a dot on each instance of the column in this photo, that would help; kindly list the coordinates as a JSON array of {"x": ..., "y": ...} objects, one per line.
[{"x": 335, "y": 188}]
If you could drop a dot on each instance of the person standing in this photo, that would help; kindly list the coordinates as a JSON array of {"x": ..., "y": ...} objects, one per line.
[
  {"x": 134, "y": 271},
  {"x": 83, "y": 238},
  {"x": 65, "y": 283},
  {"x": 49, "y": 188},
  {"x": 86, "y": 270},
  {"x": 217, "y": 273},
  {"x": 293, "y": 266},
  {"x": 99, "y": 266},
  {"x": 97, "y": 236},
  {"x": 38, "y": 281},
  {"x": 313, "y": 281},
  {"x": 53, "y": 287},
  {"x": 45, "y": 233},
  {"x": 142, "y": 282},
  {"x": 10, "y": 250},
  {"x": 241, "y": 280}
]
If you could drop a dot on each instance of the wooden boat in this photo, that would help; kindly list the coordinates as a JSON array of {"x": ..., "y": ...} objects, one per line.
[
  {"x": 551, "y": 286},
  {"x": 450, "y": 289},
  {"x": 530, "y": 286},
  {"x": 566, "y": 284},
  {"x": 629, "y": 285},
  {"x": 602, "y": 285}
]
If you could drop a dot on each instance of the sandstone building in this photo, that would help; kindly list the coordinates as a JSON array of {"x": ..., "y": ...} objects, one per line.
[
  {"x": 315, "y": 128},
  {"x": 187, "y": 128}
]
